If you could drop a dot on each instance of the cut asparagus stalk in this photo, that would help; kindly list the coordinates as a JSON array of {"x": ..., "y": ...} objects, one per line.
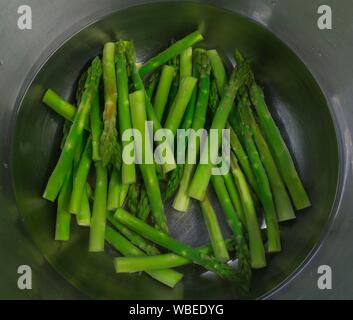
[
  {"x": 83, "y": 217},
  {"x": 180, "y": 103},
  {"x": 114, "y": 190},
  {"x": 175, "y": 49},
  {"x": 152, "y": 84},
  {"x": 242, "y": 157},
  {"x": 173, "y": 181},
  {"x": 110, "y": 148},
  {"x": 202, "y": 174},
  {"x": 133, "y": 237},
  {"x": 166, "y": 276},
  {"x": 175, "y": 63},
  {"x": 96, "y": 127},
  {"x": 274, "y": 241},
  {"x": 158, "y": 261},
  {"x": 162, "y": 239},
  {"x": 186, "y": 63},
  {"x": 162, "y": 93},
  {"x": 182, "y": 199},
  {"x": 176, "y": 176},
  {"x": 280, "y": 151},
  {"x": 65, "y": 161},
  {"x": 283, "y": 204},
  {"x": 220, "y": 79},
  {"x": 278, "y": 147},
  {"x": 257, "y": 251},
  {"x": 138, "y": 84},
  {"x": 123, "y": 194},
  {"x": 234, "y": 223},
  {"x": 139, "y": 264},
  {"x": 214, "y": 231},
  {"x": 143, "y": 209},
  {"x": 68, "y": 112},
  {"x": 128, "y": 172},
  {"x": 60, "y": 106},
  {"x": 151, "y": 250},
  {"x": 234, "y": 196},
  {"x": 97, "y": 231},
  {"x": 138, "y": 113},
  {"x": 80, "y": 178},
  {"x": 133, "y": 198},
  {"x": 218, "y": 70},
  {"x": 63, "y": 216}
]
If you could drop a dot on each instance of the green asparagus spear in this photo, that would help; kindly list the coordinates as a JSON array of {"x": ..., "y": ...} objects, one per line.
[
  {"x": 182, "y": 199},
  {"x": 274, "y": 242},
  {"x": 81, "y": 86},
  {"x": 63, "y": 165},
  {"x": 152, "y": 84},
  {"x": 174, "y": 181},
  {"x": 162, "y": 239},
  {"x": 175, "y": 63},
  {"x": 68, "y": 111},
  {"x": 96, "y": 128},
  {"x": 138, "y": 264},
  {"x": 280, "y": 151},
  {"x": 110, "y": 148},
  {"x": 83, "y": 217},
  {"x": 239, "y": 151},
  {"x": 214, "y": 231},
  {"x": 158, "y": 261},
  {"x": 123, "y": 194},
  {"x": 138, "y": 113},
  {"x": 235, "y": 225},
  {"x": 257, "y": 251},
  {"x": 234, "y": 196},
  {"x": 138, "y": 85},
  {"x": 143, "y": 208},
  {"x": 133, "y": 237},
  {"x": 60, "y": 106},
  {"x": 133, "y": 198},
  {"x": 176, "y": 176},
  {"x": 186, "y": 63},
  {"x": 63, "y": 216},
  {"x": 128, "y": 170},
  {"x": 162, "y": 93},
  {"x": 66, "y": 130},
  {"x": 219, "y": 81},
  {"x": 180, "y": 103},
  {"x": 80, "y": 178},
  {"x": 166, "y": 276},
  {"x": 218, "y": 69},
  {"x": 203, "y": 172},
  {"x": 96, "y": 236},
  {"x": 283, "y": 204},
  {"x": 278, "y": 146},
  {"x": 114, "y": 190},
  {"x": 175, "y": 49},
  {"x": 171, "y": 258},
  {"x": 214, "y": 95}
]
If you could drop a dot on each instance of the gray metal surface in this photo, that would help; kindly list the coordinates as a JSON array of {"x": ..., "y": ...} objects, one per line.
[{"x": 325, "y": 53}]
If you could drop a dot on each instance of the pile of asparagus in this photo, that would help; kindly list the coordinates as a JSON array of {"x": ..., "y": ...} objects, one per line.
[{"x": 180, "y": 88}]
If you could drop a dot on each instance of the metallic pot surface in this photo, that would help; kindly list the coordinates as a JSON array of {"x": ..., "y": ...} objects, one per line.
[{"x": 307, "y": 78}]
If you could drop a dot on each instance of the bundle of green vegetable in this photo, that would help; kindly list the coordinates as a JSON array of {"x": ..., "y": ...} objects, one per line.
[{"x": 180, "y": 88}]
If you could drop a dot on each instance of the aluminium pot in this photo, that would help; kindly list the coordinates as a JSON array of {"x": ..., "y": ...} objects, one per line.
[{"x": 307, "y": 76}]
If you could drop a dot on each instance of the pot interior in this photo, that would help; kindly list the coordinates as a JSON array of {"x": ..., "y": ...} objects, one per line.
[{"x": 296, "y": 102}]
